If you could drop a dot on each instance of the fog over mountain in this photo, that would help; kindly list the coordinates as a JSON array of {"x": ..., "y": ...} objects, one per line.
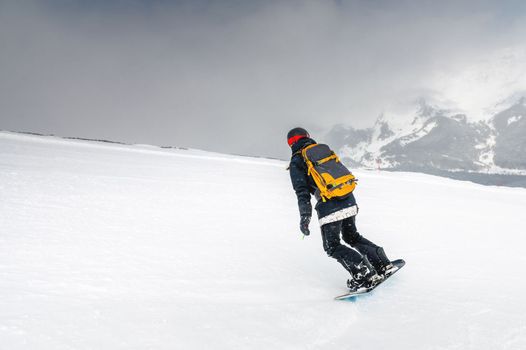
[
  {"x": 443, "y": 142},
  {"x": 233, "y": 76}
]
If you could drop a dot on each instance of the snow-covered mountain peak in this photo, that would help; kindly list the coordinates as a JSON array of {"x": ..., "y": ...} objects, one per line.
[
  {"x": 409, "y": 118},
  {"x": 404, "y": 125},
  {"x": 427, "y": 137}
]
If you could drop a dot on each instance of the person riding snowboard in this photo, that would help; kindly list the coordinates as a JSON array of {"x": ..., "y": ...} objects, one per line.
[{"x": 315, "y": 169}]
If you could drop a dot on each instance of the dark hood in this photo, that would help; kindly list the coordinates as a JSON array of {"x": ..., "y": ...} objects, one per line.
[{"x": 301, "y": 144}]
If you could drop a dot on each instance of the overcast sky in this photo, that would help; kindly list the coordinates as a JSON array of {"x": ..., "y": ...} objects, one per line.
[{"x": 234, "y": 76}]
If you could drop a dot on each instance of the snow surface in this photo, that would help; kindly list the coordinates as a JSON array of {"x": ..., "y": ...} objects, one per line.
[{"x": 134, "y": 247}]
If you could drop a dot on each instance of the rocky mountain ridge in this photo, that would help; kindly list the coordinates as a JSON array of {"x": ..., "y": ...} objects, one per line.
[{"x": 436, "y": 140}]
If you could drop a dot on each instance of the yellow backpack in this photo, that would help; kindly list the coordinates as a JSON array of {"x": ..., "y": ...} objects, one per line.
[{"x": 332, "y": 178}]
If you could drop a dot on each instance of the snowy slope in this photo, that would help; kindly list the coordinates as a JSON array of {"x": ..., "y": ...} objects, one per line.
[{"x": 135, "y": 247}]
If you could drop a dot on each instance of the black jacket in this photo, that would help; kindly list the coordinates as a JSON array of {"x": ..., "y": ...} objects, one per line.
[{"x": 304, "y": 185}]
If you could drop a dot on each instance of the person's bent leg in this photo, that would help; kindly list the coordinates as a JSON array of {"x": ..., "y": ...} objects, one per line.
[
  {"x": 349, "y": 258},
  {"x": 374, "y": 253}
]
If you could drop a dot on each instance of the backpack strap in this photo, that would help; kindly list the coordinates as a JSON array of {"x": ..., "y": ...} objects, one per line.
[
  {"x": 326, "y": 159},
  {"x": 310, "y": 170},
  {"x": 297, "y": 152},
  {"x": 306, "y": 159}
]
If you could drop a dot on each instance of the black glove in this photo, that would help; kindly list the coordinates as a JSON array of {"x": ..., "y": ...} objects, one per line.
[{"x": 304, "y": 224}]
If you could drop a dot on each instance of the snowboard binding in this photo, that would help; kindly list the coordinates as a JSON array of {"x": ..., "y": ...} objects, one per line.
[{"x": 359, "y": 287}]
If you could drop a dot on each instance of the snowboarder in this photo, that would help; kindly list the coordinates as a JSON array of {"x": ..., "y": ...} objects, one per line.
[{"x": 365, "y": 261}]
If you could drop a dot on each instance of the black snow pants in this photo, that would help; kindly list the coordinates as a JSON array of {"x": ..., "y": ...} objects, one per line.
[{"x": 348, "y": 257}]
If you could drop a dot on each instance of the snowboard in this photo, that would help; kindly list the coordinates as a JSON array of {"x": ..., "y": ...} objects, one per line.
[{"x": 398, "y": 265}]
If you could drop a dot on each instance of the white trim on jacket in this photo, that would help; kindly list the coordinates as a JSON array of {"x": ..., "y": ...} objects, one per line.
[{"x": 339, "y": 215}]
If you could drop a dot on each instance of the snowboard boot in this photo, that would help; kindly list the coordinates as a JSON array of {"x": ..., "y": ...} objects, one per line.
[
  {"x": 364, "y": 275},
  {"x": 354, "y": 285},
  {"x": 382, "y": 264}
]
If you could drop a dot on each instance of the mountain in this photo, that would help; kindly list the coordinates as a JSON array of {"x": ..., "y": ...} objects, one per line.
[
  {"x": 440, "y": 141},
  {"x": 510, "y": 141},
  {"x": 109, "y": 246}
]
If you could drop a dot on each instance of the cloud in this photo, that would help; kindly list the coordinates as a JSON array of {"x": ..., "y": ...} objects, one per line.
[{"x": 234, "y": 76}]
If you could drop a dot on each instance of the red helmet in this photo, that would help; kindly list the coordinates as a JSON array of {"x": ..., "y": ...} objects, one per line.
[{"x": 296, "y": 134}]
